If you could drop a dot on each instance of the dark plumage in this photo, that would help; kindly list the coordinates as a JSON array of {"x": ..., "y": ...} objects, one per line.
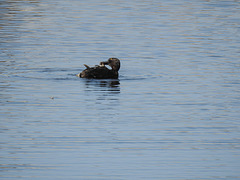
[{"x": 102, "y": 72}]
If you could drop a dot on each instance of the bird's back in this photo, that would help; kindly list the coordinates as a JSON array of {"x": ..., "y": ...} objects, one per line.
[{"x": 98, "y": 72}]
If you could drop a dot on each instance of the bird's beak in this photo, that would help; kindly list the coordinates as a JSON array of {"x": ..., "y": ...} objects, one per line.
[{"x": 104, "y": 63}]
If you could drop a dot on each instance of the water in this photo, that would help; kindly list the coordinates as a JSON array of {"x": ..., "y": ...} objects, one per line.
[{"x": 173, "y": 113}]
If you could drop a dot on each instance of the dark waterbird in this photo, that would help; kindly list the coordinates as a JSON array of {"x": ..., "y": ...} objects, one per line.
[{"x": 101, "y": 71}]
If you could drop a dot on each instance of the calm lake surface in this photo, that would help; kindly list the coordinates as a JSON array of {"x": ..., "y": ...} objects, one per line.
[{"x": 174, "y": 113}]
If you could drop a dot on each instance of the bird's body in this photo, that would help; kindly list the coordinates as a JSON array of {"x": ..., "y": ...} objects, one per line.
[
  {"x": 98, "y": 72},
  {"x": 101, "y": 71}
]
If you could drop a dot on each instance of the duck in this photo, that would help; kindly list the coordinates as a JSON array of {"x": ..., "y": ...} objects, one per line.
[{"x": 101, "y": 71}]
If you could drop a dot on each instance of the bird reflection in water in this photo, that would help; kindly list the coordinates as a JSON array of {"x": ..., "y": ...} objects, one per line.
[{"x": 112, "y": 85}]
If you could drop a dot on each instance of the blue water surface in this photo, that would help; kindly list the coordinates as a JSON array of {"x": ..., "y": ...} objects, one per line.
[{"x": 174, "y": 112}]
